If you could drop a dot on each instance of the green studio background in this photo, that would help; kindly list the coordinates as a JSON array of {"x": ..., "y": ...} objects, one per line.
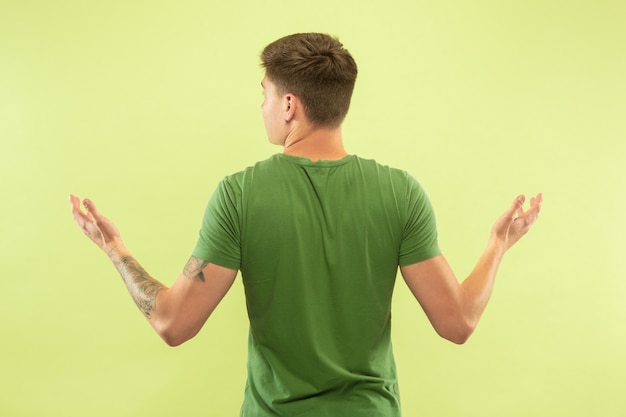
[{"x": 145, "y": 105}]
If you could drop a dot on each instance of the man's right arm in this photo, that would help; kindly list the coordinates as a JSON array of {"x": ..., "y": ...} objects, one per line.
[{"x": 454, "y": 309}]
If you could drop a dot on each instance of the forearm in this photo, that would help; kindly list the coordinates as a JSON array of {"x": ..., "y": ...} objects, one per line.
[
  {"x": 454, "y": 309},
  {"x": 141, "y": 286},
  {"x": 478, "y": 286},
  {"x": 182, "y": 309},
  {"x": 175, "y": 313}
]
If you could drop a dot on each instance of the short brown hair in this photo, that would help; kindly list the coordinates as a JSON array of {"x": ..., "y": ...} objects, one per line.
[{"x": 316, "y": 68}]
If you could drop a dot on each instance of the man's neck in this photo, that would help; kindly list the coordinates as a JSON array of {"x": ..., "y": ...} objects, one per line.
[{"x": 316, "y": 144}]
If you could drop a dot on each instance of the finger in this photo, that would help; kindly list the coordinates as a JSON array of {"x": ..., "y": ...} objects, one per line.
[
  {"x": 516, "y": 206},
  {"x": 74, "y": 203},
  {"x": 538, "y": 200},
  {"x": 93, "y": 212},
  {"x": 79, "y": 216},
  {"x": 535, "y": 204},
  {"x": 91, "y": 209},
  {"x": 535, "y": 207}
]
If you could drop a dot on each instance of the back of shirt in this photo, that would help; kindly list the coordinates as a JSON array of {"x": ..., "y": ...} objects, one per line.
[{"x": 318, "y": 245}]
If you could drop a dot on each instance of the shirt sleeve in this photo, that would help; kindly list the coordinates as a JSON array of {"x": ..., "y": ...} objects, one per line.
[
  {"x": 219, "y": 238},
  {"x": 419, "y": 240}
]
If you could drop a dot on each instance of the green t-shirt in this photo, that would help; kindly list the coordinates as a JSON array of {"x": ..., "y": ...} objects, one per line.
[{"x": 318, "y": 245}]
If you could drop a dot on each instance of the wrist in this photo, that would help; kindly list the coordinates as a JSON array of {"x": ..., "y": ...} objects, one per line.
[
  {"x": 498, "y": 244},
  {"x": 115, "y": 248}
]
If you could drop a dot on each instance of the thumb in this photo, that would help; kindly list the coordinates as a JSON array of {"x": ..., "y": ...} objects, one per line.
[
  {"x": 501, "y": 226},
  {"x": 516, "y": 206}
]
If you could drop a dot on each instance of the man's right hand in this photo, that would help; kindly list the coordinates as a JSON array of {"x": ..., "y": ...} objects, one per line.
[{"x": 515, "y": 222}]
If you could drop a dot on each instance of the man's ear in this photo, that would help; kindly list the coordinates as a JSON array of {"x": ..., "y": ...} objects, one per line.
[{"x": 291, "y": 104}]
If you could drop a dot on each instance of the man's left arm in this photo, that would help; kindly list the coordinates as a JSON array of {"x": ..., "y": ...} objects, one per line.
[{"x": 177, "y": 313}]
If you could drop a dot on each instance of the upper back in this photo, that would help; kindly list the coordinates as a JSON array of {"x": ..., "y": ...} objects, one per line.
[{"x": 320, "y": 244}]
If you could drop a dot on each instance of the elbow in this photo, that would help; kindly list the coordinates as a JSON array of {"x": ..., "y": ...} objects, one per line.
[
  {"x": 457, "y": 332},
  {"x": 172, "y": 340},
  {"x": 172, "y": 335},
  {"x": 459, "y": 338}
]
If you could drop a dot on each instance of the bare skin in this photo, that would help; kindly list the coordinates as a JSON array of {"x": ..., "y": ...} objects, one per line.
[
  {"x": 454, "y": 309},
  {"x": 178, "y": 312}
]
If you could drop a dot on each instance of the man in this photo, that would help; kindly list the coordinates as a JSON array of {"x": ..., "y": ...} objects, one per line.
[{"x": 318, "y": 236}]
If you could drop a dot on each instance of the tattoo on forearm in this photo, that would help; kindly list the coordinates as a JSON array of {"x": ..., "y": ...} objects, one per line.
[
  {"x": 142, "y": 287},
  {"x": 193, "y": 269}
]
